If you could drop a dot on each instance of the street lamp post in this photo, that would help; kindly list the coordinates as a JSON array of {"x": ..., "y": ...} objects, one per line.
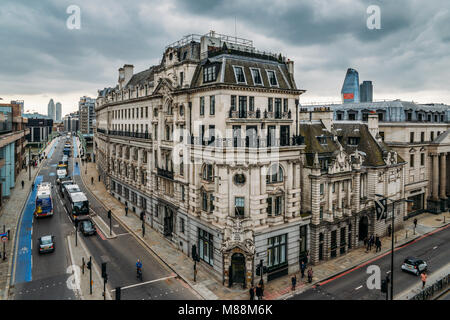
[{"x": 392, "y": 238}]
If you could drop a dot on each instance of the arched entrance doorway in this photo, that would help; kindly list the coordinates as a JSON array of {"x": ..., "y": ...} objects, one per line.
[
  {"x": 237, "y": 269},
  {"x": 363, "y": 228}
]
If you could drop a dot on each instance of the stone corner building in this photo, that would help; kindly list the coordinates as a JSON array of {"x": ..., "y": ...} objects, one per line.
[{"x": 212, "y": 146}]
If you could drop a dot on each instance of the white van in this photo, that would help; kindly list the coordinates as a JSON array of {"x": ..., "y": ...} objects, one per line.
[{"x": 61, "y": 173}]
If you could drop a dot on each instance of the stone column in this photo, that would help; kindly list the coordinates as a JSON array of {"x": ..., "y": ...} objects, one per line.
[
  {"x": 435, "y": 181},
  {"x": 339, "y": 198},
  {"x": 330, "y": 198},
  {"x": 443, "y": 176},
  {"x": 349, "y": 193}
]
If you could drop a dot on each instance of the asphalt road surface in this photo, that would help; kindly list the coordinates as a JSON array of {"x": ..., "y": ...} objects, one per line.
[
  {"x": 42, "y": 277},
  {"x": 433, "y": 248}
]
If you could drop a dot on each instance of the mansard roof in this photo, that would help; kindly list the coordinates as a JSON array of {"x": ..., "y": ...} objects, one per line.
[
  {"x": 141, "y": 78},
  {"x": 225, "y": 72},
  {"x": 375, "y": 152}
]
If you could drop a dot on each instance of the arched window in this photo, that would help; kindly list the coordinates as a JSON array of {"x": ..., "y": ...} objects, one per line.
[
  {"x": 275, "y": 174},
  {"x": 208, "y": 172}
]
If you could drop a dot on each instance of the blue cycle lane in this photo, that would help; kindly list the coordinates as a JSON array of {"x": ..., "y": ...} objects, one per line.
[
  {"x": 51, "y": 150},
  {"x": 76, "y": 169},
  {"x": 24, "y": 245}
]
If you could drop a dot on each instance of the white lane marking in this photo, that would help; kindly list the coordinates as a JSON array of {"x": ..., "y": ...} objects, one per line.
[
  {"x": 143, "y": 283},
  {"x": 435, "y": 247},
  {"x": 358, "y": 287}
]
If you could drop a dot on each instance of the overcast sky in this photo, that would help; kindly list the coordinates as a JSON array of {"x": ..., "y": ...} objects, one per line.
[{"x": 408, "y": 58}]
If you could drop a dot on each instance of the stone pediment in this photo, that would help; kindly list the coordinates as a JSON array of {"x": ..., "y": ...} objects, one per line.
[
  {"x": 340, "y": 163},
  {"x": 164, "y": 88}
]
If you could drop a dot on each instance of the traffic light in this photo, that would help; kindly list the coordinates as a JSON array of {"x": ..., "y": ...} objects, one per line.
[
  {"x": 88, "y": 265},
  {"x": 384, "y": 287},
  {"x": 76, "y": 223},
  {"x": 104, "y": 270},
  {"x": 258, "y": 270},
  {"x": 118, "y": 293}
]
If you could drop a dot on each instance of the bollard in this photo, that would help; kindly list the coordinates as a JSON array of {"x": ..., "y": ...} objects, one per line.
[{"x": 406, "y": 237}]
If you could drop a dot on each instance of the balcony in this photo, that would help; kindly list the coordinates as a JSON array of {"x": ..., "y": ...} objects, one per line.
[
  {"x": 139, "y": 135},
  {"x": 165, "y": 173},
  {"x": 248, "y": 142},
  {"x": 244, "y": 114}
]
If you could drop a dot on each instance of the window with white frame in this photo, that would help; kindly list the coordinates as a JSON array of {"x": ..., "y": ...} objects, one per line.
[
  {"x": 239, "y": 74},
  {"x": 272, "y": 78},
  {"x": 256, "y": 74}
]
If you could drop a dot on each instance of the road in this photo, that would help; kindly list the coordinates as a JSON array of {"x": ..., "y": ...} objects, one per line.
[
  {"x": 38, "y": 277},
  {"x": 433, "y": 248}
]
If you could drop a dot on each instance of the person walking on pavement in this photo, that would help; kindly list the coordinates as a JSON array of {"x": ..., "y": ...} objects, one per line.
[
  {"x": 423, "y": 276},
  {"x": 252, "y": 292},
  {"x": 371, "y": 242},
  {"x": 377, "y": 244},
  {"x": 259, "y": 291},
  {"x": 294, "y": 282},
  {"x": 415, "y": 223},
  {"x": 92, "y": 180},
  {"x": 23, "y": 184},
  {"x": 310, "y": 274},
  {"x": 126, "y": 210},
  {"x": 303, "y": 268},
  {"x": 261, "y": 283}
]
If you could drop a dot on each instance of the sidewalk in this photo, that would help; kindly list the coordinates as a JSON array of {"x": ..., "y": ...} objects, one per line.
[
  {"x": 9, "y": 216},
  {"x": 417, "y": 288},
  {"x": 210, "y": 288}
]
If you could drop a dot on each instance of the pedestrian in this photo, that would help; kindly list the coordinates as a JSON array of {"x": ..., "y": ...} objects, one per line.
[
  {"x": 423, "y": 276},
  {"x": 259, "y": 291},
  {"x": 303, "y": 268},
  {"x": 389, "y": 230},
  {"x": 371, "y": 242},
  {"x": 261, "y": 283},
  {"x": 310, "y": 274},
  {"x": 415, "y": 223},
  {"x": 92, "y": 180},
  {"x": 377, "y": 244},
  {"x": 126, "y": 211},
  {"x": 252, "y": 292},
  {"x": 23, "y": 184},
  {"x": 32, "y": 186},
  {"x": 294, "y": 282}
]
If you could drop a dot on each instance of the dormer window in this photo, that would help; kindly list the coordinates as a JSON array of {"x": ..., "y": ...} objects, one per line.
[
  {"x": 272, "y": 78},
  {"x": 239, "y": 75},
  {"x": 353, "y": 141},
  {"x": 257, "y": 80},
  {"x": 322, "y": 140},
  {"x": 209, "y": 74}
]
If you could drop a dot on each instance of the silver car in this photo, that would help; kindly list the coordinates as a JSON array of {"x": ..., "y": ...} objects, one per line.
[{"x": 414, "y": 265}]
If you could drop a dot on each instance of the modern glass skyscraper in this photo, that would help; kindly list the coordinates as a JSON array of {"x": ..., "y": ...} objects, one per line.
[
  {"x": 350, "y": 88},
  {"x": 51, "y": 110},
  {"x": 58, "y": 111},
  {"x": 366, "y": 91}
]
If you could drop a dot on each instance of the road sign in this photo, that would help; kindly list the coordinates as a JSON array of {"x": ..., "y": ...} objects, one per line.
[
  {"x": 380, "y": 207},
  {"x": 4, "y": 239}
]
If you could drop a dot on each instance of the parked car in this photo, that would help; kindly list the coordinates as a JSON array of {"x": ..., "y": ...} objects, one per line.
[
  {"x": 46, "y": 244},
  {"x": 87, "y": 227},
  {"x": 414, "y": 265}
]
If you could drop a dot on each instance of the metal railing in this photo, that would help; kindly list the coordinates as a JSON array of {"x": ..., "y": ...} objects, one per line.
[
  {"x": 248, "y": 142},
  {"x": 140, "y": 135},
  {"x": 244, "y": 114},
  {"x": 435, "y": 288}
]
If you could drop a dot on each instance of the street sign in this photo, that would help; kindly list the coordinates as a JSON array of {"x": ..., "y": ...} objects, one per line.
[
  {"x": 4, "y": 239},
  {"x": 380, "y": 207}
]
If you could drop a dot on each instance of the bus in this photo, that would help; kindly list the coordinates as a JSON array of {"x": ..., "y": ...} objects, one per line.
[
  {"x": 76, "y": 203},
  {"x": 62, "y": 183},
  {"x": 44, "y": 205}
]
